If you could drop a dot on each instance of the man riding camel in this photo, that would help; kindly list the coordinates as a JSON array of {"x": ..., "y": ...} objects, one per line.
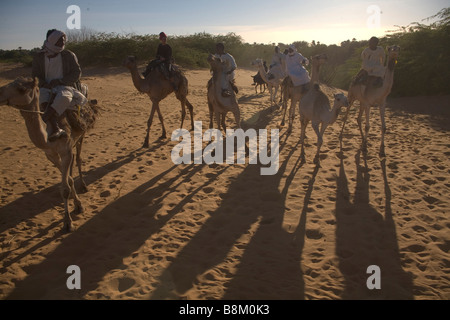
[
  {"x": 373, "y": 59},
  {"x": 231, "y": 67},
  {"x": 59, "y": 75},
  {"x": 164, "y": 60}
]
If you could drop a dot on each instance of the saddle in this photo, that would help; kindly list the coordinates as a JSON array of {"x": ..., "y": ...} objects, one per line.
[{"x": 363, "y": 78}]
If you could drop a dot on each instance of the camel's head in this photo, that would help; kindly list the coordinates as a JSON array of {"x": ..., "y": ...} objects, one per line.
[
  {"x": 19, "y": 93},
  {"x": 393, "y": 52},
  {"x": 319, "y": 59},
  {"x": 340, "y": 100},
  {"x": 258, "y": 62},
  {"x": 216, "y": 63},
  {"x": 130, "y": 62}
]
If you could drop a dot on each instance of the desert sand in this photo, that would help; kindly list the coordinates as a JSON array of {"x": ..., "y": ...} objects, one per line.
[{"x": 155, "y": 230}]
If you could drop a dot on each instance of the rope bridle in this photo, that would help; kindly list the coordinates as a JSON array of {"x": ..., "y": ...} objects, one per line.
[{"x": 25, "y": 110}]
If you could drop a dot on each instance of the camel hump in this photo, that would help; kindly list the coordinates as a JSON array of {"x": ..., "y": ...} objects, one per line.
[{"x": 84, "y": 117}]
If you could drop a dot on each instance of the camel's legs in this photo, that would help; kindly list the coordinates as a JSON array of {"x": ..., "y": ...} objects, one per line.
[
  {"x": 284, "y": 112},
  {"x": 304, "y": 124},
  {"x": 183, "y": 112},
  {"x": 294, "y": 101},
  {"x": 66, "y": 188},
  {"x": 359, "y": 120},
  {"x": 367, "y": 127},
  {"x": 383, "y": 128},
  {"x": 319, "y": 139},
  {"x": 271, "y": 94},
  {"x": 149, "y": 123},
  {"x": 79, "y": 164},
  {"x": 223, "y": 117},
  {"x": 191, "y": 112},
  {"x": 275, "y": 94},
  {"x": 237, "y": 117},
  {"x": 345, "y": 120},
  {"x": 211, "y": 115},
  {"x": 217, "y": 114},
  {"x": 163, "y": 135}
]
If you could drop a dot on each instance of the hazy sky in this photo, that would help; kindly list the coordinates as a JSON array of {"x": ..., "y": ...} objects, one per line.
[{"x": 25, "y": 23}]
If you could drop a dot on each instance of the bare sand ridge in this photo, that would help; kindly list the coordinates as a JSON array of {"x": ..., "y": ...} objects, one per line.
[{"x": 155, "y": 230}]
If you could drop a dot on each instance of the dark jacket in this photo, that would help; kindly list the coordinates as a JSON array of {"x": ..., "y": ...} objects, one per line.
[
  {"x": 164, "y": 51},
  {"x": 71, "y": 69}
]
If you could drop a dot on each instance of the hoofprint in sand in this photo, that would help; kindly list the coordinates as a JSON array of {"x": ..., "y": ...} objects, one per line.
[{"x": 155, "y": 230}]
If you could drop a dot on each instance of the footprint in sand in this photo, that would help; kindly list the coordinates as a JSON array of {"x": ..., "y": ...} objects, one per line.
[
  {"x": 314, "y": 234},
  {"x": 125, "y": 284},
  {"x": 208, "y": 189}
]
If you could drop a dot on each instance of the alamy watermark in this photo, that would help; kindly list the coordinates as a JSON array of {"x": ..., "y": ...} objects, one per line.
[
  {"x": 258, "y": 147},
  {"x": 374, "y": 20},
  {"x": 74, "y": 280},
  {"x": 374, "y": 281},
  {"x": 74, "y": 20}
]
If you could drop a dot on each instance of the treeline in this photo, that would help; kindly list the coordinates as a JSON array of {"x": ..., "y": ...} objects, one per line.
[{"x": 422, "y": 69}]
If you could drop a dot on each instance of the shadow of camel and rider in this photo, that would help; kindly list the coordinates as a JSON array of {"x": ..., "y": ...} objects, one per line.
[
  {"x": 366, "y": 237},
  {"x": 267, "y": 259},
  {"x": 246, "y": 230}
]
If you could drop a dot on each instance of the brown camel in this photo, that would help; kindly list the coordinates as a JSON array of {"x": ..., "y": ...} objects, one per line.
[
  {"x": 23, "y": 94},
  {"x": 157, "y": 87},
  {"x": 369, "y": 95},
  {"x": 295, "y": 93},
  {"x": 217, "y": 103}
]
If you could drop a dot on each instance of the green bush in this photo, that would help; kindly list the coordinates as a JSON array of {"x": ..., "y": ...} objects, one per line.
[{"x": 422, "y": 68}]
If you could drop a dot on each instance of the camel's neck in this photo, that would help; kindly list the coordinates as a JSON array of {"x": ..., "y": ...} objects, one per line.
[
  {"x": 220, "y": 83},
  {"x": 315, "y": 73},
  {"x": 389, "y": 76},
  {"x": 334, "y": 113},
  {"x": 140, "y": 83},
  {"x": 35, "y": 126},
  {"x": 262, "y": 72}
]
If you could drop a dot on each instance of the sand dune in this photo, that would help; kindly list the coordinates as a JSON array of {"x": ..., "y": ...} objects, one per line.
[{"x": 155, "y": 230}]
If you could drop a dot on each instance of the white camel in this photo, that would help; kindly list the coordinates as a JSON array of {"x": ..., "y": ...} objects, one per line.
[
  {"x": 218, "y": 104},
  {"x": 315, "y": 107},
  {"x": 295, "y": 93},
  {"x": 273, "y": 84},
  {"x": 368, "y": 96}
]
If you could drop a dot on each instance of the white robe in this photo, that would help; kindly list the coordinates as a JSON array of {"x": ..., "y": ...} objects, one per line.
[
  {"x": 373, "y": 61},
  {"x": 277, "y": 66},
  {"x": 295, "y": 69}
]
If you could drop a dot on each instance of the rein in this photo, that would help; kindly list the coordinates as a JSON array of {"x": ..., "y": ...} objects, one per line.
[{"x": 31, "y": 111}]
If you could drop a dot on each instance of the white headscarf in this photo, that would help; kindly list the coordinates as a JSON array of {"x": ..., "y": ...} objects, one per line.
[
  {"x": 50, "y": 46},
  {"x": 293, "y": 48}
]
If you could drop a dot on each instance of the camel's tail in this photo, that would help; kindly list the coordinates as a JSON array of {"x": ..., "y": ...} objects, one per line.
[{"x": 84, "y": 118}]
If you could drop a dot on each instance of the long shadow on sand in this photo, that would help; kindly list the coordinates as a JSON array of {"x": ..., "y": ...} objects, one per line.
[
  {"x": 246, "y": 233},
  {"x": 48, "y": 198},
  {"x": 94, "y": 246},
  {"x": 365, "y": 237}
]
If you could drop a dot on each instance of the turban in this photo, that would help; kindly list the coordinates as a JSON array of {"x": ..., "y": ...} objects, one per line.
[{"x": 50, "y": 46}]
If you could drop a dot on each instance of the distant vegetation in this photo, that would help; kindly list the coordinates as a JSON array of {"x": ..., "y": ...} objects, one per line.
[{"x": 423, "y": 67}]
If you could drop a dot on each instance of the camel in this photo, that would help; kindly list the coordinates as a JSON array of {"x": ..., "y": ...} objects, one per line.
[
  {"x": 157, "y": 87},
  {"x": 272, "y": 84},
  {"x": 259, "y": 81},
  {"x": 295, "y": 93},
  {"x": 315, "y": 107},
  {"x": 217, "y": 103},
  {"x": 23, "y": 94},
  {"x": 369, "y": 96}
]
